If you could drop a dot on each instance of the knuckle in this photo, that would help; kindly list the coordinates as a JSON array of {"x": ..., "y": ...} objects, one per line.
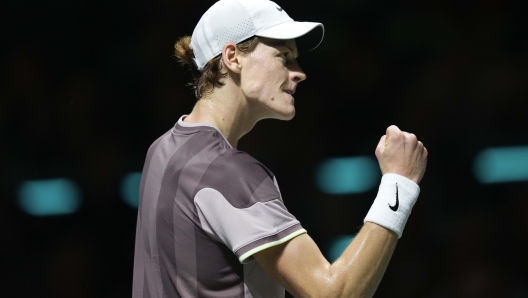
[{"x": 393, "y": 129}]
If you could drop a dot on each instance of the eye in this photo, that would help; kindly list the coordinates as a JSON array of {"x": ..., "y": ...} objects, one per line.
[{"x": 284, "y": 56}]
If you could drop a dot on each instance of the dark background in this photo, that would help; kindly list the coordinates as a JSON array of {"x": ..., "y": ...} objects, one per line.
[{"x": 87, "y": 86}]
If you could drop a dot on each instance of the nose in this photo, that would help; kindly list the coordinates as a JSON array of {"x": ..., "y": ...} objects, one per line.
[{"x": 296, "y": 73}]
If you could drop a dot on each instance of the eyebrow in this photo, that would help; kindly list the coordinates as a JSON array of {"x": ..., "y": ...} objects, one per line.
[
  {"x": 278, "y": 43},
  {"x": 291, "y": 50},
  {"x": 295, "y": 54},
  {"x": 283, "y": 44}
]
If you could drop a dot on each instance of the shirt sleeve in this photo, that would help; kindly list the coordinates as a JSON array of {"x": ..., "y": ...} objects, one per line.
[{"x": 242, "y": 207}]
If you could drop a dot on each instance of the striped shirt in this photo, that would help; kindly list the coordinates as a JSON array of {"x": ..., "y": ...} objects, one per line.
[{"x": 205, "y": 209}]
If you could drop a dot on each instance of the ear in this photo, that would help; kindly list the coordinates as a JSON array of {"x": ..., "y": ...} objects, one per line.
[{"x": 230, "y": 57}]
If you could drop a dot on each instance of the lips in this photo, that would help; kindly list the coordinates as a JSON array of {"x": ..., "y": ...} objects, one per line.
[{"x": 290, "y": 92}]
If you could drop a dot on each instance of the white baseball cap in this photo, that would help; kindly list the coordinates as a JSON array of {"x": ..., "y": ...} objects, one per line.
[{"x": 237, "y": 20}]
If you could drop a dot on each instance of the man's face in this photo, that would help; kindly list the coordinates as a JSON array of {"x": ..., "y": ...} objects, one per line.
[{"x": 269, "y": 77}]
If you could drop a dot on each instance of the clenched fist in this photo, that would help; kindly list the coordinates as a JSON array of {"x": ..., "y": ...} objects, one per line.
[{"x": 401, "y": 153}]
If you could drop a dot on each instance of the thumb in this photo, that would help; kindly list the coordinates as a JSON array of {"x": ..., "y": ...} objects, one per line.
[{"x": 381, "y": 145}]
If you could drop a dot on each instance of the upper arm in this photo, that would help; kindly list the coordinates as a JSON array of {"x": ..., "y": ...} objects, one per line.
[
  {"x": 299, "y": 266},
  {"x": 244, "y": 210}
]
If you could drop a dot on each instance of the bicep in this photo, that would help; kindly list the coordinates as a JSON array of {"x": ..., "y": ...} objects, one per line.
[{"x": 299, "y": 266}]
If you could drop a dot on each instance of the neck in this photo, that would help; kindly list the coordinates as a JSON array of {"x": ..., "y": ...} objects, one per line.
[{"x": 226, "y": 109}]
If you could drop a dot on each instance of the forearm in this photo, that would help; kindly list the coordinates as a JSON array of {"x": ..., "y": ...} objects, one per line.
[
  {"x": 358, "y": 272},
  {"x": 299, "y": 266}
]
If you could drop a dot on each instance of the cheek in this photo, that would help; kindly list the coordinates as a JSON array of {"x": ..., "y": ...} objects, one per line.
[{"x": 260, "y": 81}]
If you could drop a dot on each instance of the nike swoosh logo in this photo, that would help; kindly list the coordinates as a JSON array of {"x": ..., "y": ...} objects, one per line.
[
  {"x": 395, "y": 207},
  {"x": 278, "y": 8}
]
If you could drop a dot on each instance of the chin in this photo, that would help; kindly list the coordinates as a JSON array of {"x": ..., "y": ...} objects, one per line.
[
  {"x": 290, "y": 117},
  {"x": 287, "y": 115}
]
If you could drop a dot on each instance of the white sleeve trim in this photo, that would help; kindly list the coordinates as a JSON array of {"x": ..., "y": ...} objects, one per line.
[{"x": 270, "y": 244}]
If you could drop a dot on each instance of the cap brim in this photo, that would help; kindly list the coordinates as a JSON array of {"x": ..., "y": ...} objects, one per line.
[{"x": 308, "y": 35}]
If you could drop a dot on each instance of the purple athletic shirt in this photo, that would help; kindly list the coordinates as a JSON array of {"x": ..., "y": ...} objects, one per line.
[{"x": 205, "y": 209}]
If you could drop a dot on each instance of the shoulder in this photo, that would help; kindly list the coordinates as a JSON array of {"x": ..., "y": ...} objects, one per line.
[
  {"x": 241, "y": 179},
  {"x": 239, "y": 163}
]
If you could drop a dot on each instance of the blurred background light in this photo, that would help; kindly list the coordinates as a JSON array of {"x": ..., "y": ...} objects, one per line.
[
  {"x": 49, "y": 197},
  {"x": 498, "y": 165},
  {"x": 346, "y": 175},
  {"x": 130, "y": 189},
  {"x": 337, "y": 246}
]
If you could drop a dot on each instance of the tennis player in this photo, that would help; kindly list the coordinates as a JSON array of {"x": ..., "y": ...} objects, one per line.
[{"x": 212, "y": 221}]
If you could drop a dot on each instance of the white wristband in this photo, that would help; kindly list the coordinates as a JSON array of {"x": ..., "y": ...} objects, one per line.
[{"x": 392, "y": 206}]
